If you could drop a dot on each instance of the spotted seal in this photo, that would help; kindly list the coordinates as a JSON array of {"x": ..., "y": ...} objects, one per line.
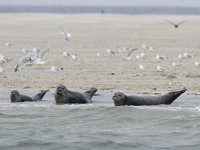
[
  {"x": 65, "y": 96},
  {"x": 121, "y": 99},
  {"x": 15, "y": 96}
]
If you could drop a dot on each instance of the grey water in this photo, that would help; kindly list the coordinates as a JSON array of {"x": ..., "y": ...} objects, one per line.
[
  {"x": 100, "y": 9},
  {"x": 100, "y": 125}
]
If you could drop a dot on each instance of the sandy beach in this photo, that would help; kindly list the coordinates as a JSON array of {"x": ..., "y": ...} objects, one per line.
[{"x": 95, "y": 33}]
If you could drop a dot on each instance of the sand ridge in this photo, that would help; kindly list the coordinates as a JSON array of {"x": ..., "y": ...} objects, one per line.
[{"x": 93, "y": 33}]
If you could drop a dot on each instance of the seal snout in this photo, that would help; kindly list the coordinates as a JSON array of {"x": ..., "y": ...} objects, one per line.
[
  {"x": 60, "y": 89},
  {"x": 115, "y": 97},
  {"x": 14, "y": 93},
  {"x": 119, "y": 99},
  {"x": 14, "y": 96}
]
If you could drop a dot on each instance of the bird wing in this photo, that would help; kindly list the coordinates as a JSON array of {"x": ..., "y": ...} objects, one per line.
[
  {"x": 44, "y": 53},
  {"x": 22, "y": 63},
  {"x": 181, "y": 22},
  {"x": 131, "y": 51},
  {"x": 62, "y": 31},
  {"x": 66, "y": 35},
  {"x": 170, "y": 22}
]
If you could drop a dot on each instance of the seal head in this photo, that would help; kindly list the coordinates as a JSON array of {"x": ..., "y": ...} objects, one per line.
[
  {"x": 60, "y": 90},
  {"x": 119, "y": 99},
  {"x": 60, "y": 94},
  {"x": 15, "y": 96}
]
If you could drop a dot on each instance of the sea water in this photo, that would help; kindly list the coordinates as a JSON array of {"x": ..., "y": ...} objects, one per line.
[{"x": 100, "y": 125}]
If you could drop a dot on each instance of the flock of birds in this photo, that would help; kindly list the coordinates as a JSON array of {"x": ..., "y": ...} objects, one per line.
[
  {"x": 36, "y": 56},
  {"x": 148, "y": 52}
]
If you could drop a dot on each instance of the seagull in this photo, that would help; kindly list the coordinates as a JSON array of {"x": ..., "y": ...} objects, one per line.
[
  {"x": 42, "y": 55},
  {"x": 141, "y": 67},
  {"x": 22, "y": 62},
  {"x": 7, "y": 44},
  {"x": 161, "y": 57},
  {"x": 197, "y": 64},
  {"x": 4, "y": 59},
  {"x": 142, "y": 55},
  {"x": 74, "y": 57},
  {"x": 65, "y": 34},
  {"x": 24, "y": 50},
  {"x": 66, "y": 54},
  {"x": 99, "y": 55},
  {"x": 37, "y": 56},
  {"x": 176, "y": 25},
  {"x": 56, "y": 69},
  {"x": 2, "y": 72},
  {"x": 186, "y": 55},
  {"x": 176, "y": 65},
  {"x": 160, "y": 69},
  {"x": 131, "y": 51},
  {"x": 110, "y": 52},
  {"x": 144, "y": 46},
  {"x": 128, "y": 56},
  {"x": 180, "y": 56},
  {"x": 137, "y": 56},
  {"x": 150, "y": 48},
  {"x": 34, "y": 54}
]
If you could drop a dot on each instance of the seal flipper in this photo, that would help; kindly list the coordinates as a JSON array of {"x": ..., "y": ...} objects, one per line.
[
  {"x": 40, "y": 95},
  {"x": 174, "y": 95},
  {"x": 91, "y": 92}
]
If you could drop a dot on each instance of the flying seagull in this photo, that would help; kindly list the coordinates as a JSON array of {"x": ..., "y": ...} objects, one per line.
[
  {"x": 176, "y": 25},
  {"x": 22, "y": 62},
  {"x": 2, "y": 72},
  {"x": 65, "y": 34},
  {"x": 39, "y": 60},
  {"x": 128, "y": 56},
  {"x": 4, "y": 59}
]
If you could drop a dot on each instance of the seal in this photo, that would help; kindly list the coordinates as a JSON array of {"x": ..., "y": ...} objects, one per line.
[
  {"x": 15, "y": 96},
  {"x": 121, "y": 99},
  {"x": 65, "y": 96}
]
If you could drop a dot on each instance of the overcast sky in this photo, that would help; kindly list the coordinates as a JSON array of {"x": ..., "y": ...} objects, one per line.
[{"x": 104, "y": 2}]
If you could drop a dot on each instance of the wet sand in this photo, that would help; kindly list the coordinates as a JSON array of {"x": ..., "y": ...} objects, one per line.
[{"x": 92, "y": 33}]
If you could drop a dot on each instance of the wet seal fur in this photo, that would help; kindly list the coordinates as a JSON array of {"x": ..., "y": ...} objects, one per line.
[
  {"x": 65, "y": 96},
  {"x": 15, "y": 96},
  {"x": 121, "y": 99}
]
